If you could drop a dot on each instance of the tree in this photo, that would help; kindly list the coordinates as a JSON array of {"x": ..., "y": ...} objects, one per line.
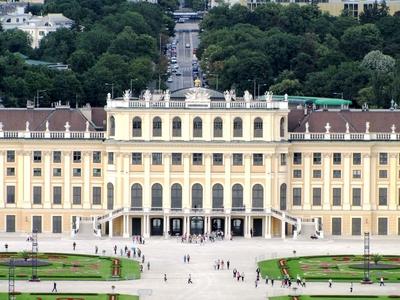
[
  {"x": 80, "y": 61},
  {"x": 15, "y": 40},
  {"x": 376, "y": 258},
  {"x": 287, "y": 86},
  {"x": 359, "y": 40},
  {"x": 378, "y": 62},
  {"x": 373, "y": 13},
  {"x": 57, "y": 46}
]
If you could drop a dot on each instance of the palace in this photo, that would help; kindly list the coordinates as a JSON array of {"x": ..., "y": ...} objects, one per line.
[{"x": 198, "y": 161}]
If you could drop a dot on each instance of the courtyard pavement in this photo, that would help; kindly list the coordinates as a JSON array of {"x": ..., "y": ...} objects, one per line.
[{"x": 166, "y": 256}]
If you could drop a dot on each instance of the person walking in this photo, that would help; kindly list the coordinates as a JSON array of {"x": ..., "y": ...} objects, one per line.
[
  {"x": 266, "y": 279},
  {"x": 148, "y": 266},
  {"x": 256, "y": 283},
  {"x": 115, "y": 249},
  {"x": 74, "y": 246},
  {"x": 184, "y": 258},
  {"x": 165, "y": 277},
  {"x": 330, "y": 283},
  {"x": 142, "y": 259},
  {"x": 188, "y": 258},
  {"x": 96, "y": 250},
  {"x": 228, "y": 264},
  {"x": 272, "y": 282},
  {"x": 54, "y": 290},
  {"x": 190, "y": 279},
  {"x": 381, "y": 282},
  {"x": 242, "y": 276},
  {"x": 234, "y": 272},
  {"x": 303, "y": 282},
  {"x": 351, "y": 287}
]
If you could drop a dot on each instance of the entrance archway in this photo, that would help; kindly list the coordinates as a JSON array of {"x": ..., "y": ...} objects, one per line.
[
  {"x": 237, "y": 226},
  {"x": 196, "y": 225},
  {"x": 176, "y": 226},
  {"x": 156, "y": 226}
]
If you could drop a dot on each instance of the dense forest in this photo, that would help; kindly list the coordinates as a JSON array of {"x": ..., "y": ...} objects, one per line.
[
  {"x": 112, "y": 42},
  {"x": 301, "y": 51}
]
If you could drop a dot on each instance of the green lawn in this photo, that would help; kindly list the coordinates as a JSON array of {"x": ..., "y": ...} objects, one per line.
[
  {"x": 335, "y": 298},
  {"x": 337, "y": 268},
  {"x": 35, "y": 296},
  {"x": 73, "y": 267}
]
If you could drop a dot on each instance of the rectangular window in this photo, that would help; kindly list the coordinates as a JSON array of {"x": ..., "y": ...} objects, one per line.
[
  {"x": 176, "y": 159},
  {"x": 10, "y": 171},
  {"x": 383, "y": 158},
  {"x": 37, "y": 195},
  {"x": 37, "y": 156},
  {"x": 110, "y": 156},
  {"x": 77, "y": 156},
  {"x": 383, "y": 196},
  {"x": 96, "y": 157},
  {"x": 356, "y": 174},
  {"x": 56, "y": 157},
  {"x": 317, "y": 174},
  {"x": 296, "y": 196},
  {"x": 337, "y": 174},
  {"x": 10, "y": 194},
  {"x": 237, "y": 159},
  {"x": 57, "y": 190},
  {"x": 56, "y": 172},
  {"x": 37, "y": 224},
  {"x": 136, "y": 158},
  {"x": 336, "y": 196},
  {"x": 355, "y": 226},
  {"x": 297, "y": 158},
  {"x": 336, "y": 226},
  {"x": 10, "y": 223},
  {"x": 351, "y": 9},
  {"x": 156, "y": 158},
  {"x": 337, "y": 158},
  {"x": 257, "y": 159},
  {"x": 218, "y": 159},
  {"x": 316, "y": 196},
  {"x": 96, "y": 172},
  {"x": 76, "y": 172},
  {"x": 96, "y": 195},
  {"x": 382, "y": 226},
  {"x": 317, "y": 158},
  {"x": 383, "y": 174},
  {"x": 356, "y": 197},
  {"x": 37, "y": 172},
  {"x": 356, "y": 159},
  {"x": 197, "y": 159},
  {"x": 296, "y": 173},
  {"x": 57, "y": 224},
  {"x": 10, "y": 156},
  {"x": 76, "y": 195},
  {"x": 283, "y": 159}
]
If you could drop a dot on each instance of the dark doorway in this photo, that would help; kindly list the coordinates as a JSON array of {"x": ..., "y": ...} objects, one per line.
[
  {"x": 257, "y": 227},
  {"x": 237, "y": 227},
  {"x": 136, "y": 226},
  {"x": 197, "y": 225},
  {"x": 107, "y": 229},
  {"x": 176, "y": 226},
  {"x": 156, "y": 226},
  {"x": 218, "y": 224}
]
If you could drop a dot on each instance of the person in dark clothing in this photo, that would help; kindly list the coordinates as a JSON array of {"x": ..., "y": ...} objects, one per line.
[{"x": 54, "y": 290}]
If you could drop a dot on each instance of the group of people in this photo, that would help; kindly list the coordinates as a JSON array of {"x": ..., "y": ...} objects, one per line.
[
  {"x": 186, "y": 258},
  {"x": 219, "y": 264},
  {"x": 237, "y": 275}
]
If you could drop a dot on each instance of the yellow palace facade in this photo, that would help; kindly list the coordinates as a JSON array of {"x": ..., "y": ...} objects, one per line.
[{"x": 197, "y": 161}]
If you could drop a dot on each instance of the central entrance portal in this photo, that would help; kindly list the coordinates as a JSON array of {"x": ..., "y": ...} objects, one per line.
[
  {"x": 156, "y": 227},
  {"x": 196, "y": 225},
  {"x": 217, "y": 224},
  {"x": 176, "y": 226},
  {"x": 237, "y": 227}
]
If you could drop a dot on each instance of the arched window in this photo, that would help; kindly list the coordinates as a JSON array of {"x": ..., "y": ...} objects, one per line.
[
  {"x": 237, "y": 197},
  {"x": 110, "y": 196},
  {"x": 258, "y": 128},
  {"x": 137, "y": 127},
  {"x": 112, "y": 126},
  {"x": 157, "y": 127},
  {"x": 197, "y": 127},
  {"x": 237, "y": 127},
  {"x": 176, "y": 127},
  {"x": 176, "y": 196},
  {"x": 197, "y": 196},
  {"x": 282, "y": 128},
  {"x": 218, "y": 127},
  {"x": 156, "y": 196},
  {"x": 136, "y": 196},
  {"x": 217, "y": 196},
  {"x": 258, "y": 197},
  {"x": 282, "y": 197}
]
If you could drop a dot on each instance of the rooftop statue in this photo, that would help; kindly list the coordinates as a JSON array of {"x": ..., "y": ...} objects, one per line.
[
  {"x": 1, "y": 126},
  {"x": 247, "y": 96},
  {"x": 27, "y": 125},
  {"x": 147, "y": 95},
  {"x": 197, "y": 82},
  {"x": 127, "y": 95},
  {"x": 227, "y": 96},
  {"x": 347, "y": 127},
  {"x": 366, "y": 127},
  {"x": 197, "y": 94},
  {"x": 108, "y": 96},
  {"x": 47, "y": 125},
  {"x": 233, "y": 94},
  {"x": 167, "y": 95},
  {"x": 307, "y": 127}
]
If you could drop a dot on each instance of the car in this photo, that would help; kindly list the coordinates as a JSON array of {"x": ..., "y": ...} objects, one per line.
[
  {"x": 187, "y": 45},
  {"x": 181, "y": 20},
  {"x": 173, "y": 60},
  {"x": 178, "y": 73},
  {"x": 169, "y": 79}
]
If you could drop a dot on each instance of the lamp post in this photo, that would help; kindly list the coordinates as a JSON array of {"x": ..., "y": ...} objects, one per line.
[
  {"x": 112, "y": 89},
  {"x": 38, "y": 97}
]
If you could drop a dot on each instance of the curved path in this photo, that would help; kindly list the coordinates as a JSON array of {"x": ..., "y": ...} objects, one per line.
[{"x": 166, "y": 256}]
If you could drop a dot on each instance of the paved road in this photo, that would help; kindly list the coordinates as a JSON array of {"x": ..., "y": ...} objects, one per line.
[
  {"x": 166, "y": 256},
  {"x": 184, "y": 35}
]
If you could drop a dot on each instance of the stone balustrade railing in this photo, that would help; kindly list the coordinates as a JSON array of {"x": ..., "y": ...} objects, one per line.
[
  {"x": 355, "y": 136},
  {"x": 93, "y": 135}
]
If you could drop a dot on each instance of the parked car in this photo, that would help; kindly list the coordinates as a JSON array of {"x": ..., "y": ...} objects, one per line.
[
  {"x": 169, "y": 79},
  {"x": 178, "y": 73},
  {"x": 187, "y": 45}
]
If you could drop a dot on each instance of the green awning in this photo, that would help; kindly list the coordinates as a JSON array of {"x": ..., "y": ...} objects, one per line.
[{"x": 332, "y": 102}]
